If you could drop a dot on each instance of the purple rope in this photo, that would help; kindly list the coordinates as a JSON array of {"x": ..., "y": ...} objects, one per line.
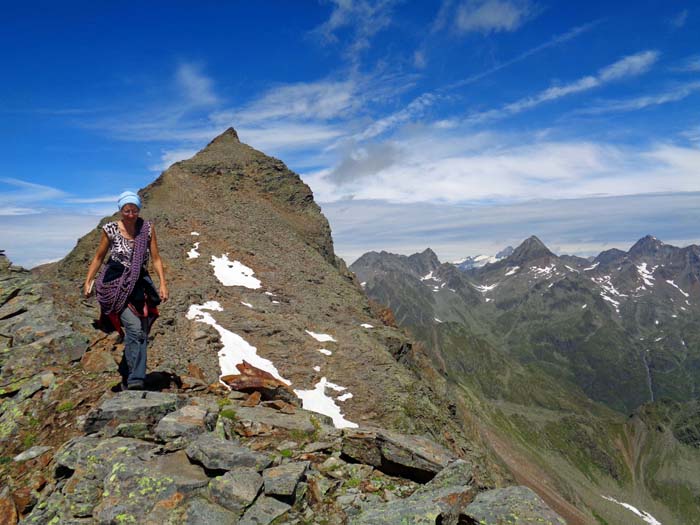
[{"x": 113, "y": 295}]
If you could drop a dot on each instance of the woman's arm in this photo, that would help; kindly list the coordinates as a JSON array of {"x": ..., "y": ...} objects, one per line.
[
  {"x": 96, "y": 263},
  {"x": 158, "y": 265}
]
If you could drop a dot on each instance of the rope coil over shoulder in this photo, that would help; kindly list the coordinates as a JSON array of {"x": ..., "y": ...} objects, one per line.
[{"x": 112, "y": 296}]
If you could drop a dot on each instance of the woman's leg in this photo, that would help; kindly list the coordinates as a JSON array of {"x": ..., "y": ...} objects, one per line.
[{"x": 135, "y": 340}]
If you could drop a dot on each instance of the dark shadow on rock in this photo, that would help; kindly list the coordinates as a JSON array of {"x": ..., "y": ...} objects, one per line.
[{"x": 162, "y": 380}]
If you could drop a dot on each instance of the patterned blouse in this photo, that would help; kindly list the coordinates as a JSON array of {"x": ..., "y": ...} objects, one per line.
[{"x": 122, "y": 247}]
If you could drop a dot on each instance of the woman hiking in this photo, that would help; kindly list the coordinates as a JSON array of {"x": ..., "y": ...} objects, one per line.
[{"x": 126, "y": 294}]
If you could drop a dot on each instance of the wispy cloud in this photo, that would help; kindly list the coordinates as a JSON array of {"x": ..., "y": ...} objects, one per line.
[
  {"x": 628, "y": 66},
  {"x": 20, "y": 197},
  {"x": 197, "y": 87},
  {"x": 414, "y": 109},
  {"x": 690, "y": 65},
  {"x": 637, "y": 103},
  {"x": 679, "y": 20},
  {"x": 491, "y": 16},
  {"x": 552, "y": 42},
  {"x": 169, "y": 157},
  {"x": 363, "y": 18}
]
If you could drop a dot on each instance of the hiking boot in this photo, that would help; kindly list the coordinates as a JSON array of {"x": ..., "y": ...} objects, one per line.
[{"x": 135, "y": 385}]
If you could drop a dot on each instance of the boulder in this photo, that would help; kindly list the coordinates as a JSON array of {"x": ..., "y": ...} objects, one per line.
[
  {"x": 187, "y": 422},
  {"x": 129, "y": 407},
  {"x": 411, "y": 457},
  {"x": 236, "y": 489},
  {"x": 448, "y": 493},
  {"x": 215, "y": 453},
  {"x": 511, "y": 505},
  {"x": 199, "y": 511},
  {"x": 252, "y": 379},
  {"x": 31, "y": 453},
  {"x": 262, "y": 420},
  {"x": 264, "y": 511},
  {"x": 282, "y": 481}
]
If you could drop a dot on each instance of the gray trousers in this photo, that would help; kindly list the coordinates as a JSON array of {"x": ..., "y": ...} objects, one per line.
[{"x": 135, "y": 341}]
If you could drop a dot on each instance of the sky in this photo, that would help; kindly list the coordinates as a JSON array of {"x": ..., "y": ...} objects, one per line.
[{"x": 460, "y": 125}]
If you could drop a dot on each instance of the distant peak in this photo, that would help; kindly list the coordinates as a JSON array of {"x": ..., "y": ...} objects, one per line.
[
  {"x": 530, "y": 249},
  {"x": 647, "y": 245}
]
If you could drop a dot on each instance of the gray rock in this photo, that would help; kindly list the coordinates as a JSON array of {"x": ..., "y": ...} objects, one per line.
[
  {"x": 447, "y": 495},
  {"x": 282, "y": 480},
  {"x": 186, "y": 476},
  {"x": 29, "y": 388},
  {"x": 512, "y": 505},
  {"x": 81, "y": 496},
  {"x": 264, "y": 511},
  {"x": 187, "y": 421},
  {"x": 318, "y": 446},
  {"x": 199, "y": 511},
  {"x": 411, "y": 457},
  {"x": 32, "y": 453},
  {"x": 301, "y": 420},
  {"x": 129, "y": 407},
  {"x": 221, "y": 454},
  {"x": 236, "y": 489}
]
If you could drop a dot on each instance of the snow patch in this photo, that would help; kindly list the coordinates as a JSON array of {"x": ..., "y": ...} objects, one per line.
[
  {"x": 648, "y": 518},
  {"x": 366, "y": 325},
  {"x": 511, "y": 270},
  {"x": 345, "y": 397},
  {"x": 194, "y": 233},
  {"x": 437, "y": 320},
  {"x": 591, "y": 267},
  {"x": 571, "y": 269},
  {"x": 646, "y": 274},
  {"x": 316, "y": 400},
  {"x": 485, "y": 288},
  {"x": 193, "y": 253},
  {"x": 325, "y": 352},
  {"x": 363, "y": 284},
  {"x": 233, "y": 273},
  {"x": 235, "y": 349},
  {"x": 584, "y": 307},
  {"x": 678, "y": 288},
  {"x": 546, "y": 271},
  {"x": 246, "y": 304},
  {"x": 321, "y": 338},
  {"x": 317, "y": 369}
]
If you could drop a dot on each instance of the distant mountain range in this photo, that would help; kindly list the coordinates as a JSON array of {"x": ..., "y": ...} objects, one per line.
[
  {"x": 477, "y": 261},
  {"x": 568, "y": 336}
]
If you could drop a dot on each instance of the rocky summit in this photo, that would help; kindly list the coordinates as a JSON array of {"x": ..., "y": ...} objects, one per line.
[{"x": 277, "y": 391}]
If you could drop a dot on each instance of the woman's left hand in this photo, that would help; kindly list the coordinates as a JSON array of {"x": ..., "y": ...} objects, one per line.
[{"x": 163, "y": 293}]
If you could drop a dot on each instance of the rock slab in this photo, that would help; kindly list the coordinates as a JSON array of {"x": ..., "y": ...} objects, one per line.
[
  {"x": 283, "y": 480},
  {"x": 221, "y": 454}
]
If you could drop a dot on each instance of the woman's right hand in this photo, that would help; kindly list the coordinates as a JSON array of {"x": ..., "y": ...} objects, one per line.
[{"x": 87, "y": 288}]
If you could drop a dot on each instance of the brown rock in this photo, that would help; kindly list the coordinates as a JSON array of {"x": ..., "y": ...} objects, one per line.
[
  {"x": 98, "y": 360},
  {"x": 196, "y": 371},
  {"x": 8, "y": 511},
  {"x": 282, "y": 406},
  {"x": 253, "y": 379},
  {"x": 23, "y": 499},
  {"x": 253, "y": 399}
]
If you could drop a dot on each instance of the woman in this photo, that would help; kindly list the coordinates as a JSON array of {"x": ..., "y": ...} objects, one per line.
[{"x": 125, "y": 291}]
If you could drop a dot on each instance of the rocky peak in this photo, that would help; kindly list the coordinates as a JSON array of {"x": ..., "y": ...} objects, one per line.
[
  {"x": 4, "y": 261},
  {"x": 424, "y": 262},
  {"x": 531, "y": 249},
  {"x": 646, "y": 246},
  {"x": 611, "y": 256},
  {"x": 505, "y": 252}
]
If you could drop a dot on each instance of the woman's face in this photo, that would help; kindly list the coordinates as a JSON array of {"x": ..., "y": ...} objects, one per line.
[{"x": 130, "y": 212}]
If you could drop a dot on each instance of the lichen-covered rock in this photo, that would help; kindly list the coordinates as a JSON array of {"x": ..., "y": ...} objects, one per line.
[
  {"x": 236, "y": 489},
  {"x": 516, "y": 505},
  {"x": 282, "y": 480},
  {"x": 187, "y": 422},
  {"x": 221, "y": 454},
  {"x": 131, "y": 406},
  {"x": 96, "y": 456},
  {"x": 199, "y": 511}
]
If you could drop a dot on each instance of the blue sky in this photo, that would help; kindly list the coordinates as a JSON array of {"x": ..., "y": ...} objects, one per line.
[{"x": 464, "y": 125}]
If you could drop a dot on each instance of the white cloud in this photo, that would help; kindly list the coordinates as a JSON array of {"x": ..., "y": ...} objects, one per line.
[
  {"x": 637, "y": 103},
  {"x": 196, "y": 87},
  {"x": 435, "y": 165},
  {"x": 628, "y": 66},
  {"x": 322, "y": 100},
  {"x": 410, "y": 112},
  {"x": 574, "y": 226},
  {"x": 170, "y": 157},
  {"x": 365, "y": 19},
  {"x": 20, "y": 197},
  {"x": 489, "y": 16}
]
